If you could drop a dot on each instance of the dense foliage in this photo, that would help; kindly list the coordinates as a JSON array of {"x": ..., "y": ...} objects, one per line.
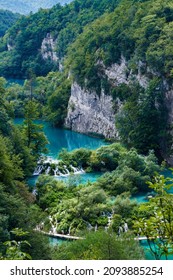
[
  {"x": 50, "y": 95},
  {"x": 17, "y": 160},
  {"x": 130, "y": 171},
  {"x": 26, "y": 36},
  {"x": 142, "y": 121},
  {"x": 155, "y": 218},
  {"x": 7, "y": 19},
  {"x": 75, "y": 207},
  {"x": 100, "y": 246},
  {"x": 25, "y": 6},
  {"x": 136, "y": 30},
  {"x": 103, "y": 33}
]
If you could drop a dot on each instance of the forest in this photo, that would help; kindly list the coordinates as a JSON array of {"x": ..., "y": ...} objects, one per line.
[
  {"x": 89, "y": 37},
  {"x": 7, "y": 19},
  {"x": 25, "y": 6}
]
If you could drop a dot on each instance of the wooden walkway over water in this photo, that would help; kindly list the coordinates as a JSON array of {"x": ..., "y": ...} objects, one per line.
[
  {"x": 58, "y": 235},
  {"x": 67, "y": 236}
]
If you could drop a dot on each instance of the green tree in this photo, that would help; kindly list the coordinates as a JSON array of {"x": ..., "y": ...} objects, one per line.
[
  {"x": 14, "y": 248},
  {"x": 100, "y": 245},
  {"x": 142, "y": 122},
  {"x": 36, "y": 140},
  {"x": 155, "y": 218}
]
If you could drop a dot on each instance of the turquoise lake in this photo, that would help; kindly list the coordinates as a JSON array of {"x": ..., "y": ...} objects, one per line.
[{"x": 62, "y": 138}]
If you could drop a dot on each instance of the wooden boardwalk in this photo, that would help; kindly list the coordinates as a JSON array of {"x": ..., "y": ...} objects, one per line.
[
  {"x": 63, "y": 236},
  {"x": 140, "y": 238},
  {"x": 67, "y": 236}
]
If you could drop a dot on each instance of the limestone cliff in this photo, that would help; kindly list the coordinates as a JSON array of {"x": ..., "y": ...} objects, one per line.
[
  {"x": 90, "y": 113},
  {"x": 48, "y": 48}
]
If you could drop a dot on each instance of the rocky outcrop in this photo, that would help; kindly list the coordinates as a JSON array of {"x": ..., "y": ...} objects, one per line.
[
  {"x": 90, "y": 113},
  {"x": 120, "y": 73},
  {"x": 48, "y": 48}
]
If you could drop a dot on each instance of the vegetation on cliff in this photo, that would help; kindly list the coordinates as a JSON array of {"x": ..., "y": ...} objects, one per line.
[
  {"x": 7, "y": 19},
  {"x": 93, "y": 36},
  {"x": 26, "y": 36}
]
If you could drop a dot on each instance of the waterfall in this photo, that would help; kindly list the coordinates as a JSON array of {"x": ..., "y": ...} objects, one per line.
[
  {"x": 68, "y": 172},
  {"x": 38, "y": 170},
  {"x": 49, "y": 166},
  {"x": 69, "y": 230},
  {"x": 50, "y": 160},
  {"x": 55, "y": 171},
  {"x": 120, "y": 230},
  {"x": 77, "y": 170},
  {"x": 53, "y": 226},
  {"x": 48, "y": 170},
  {"x": 109, "y": 221},
  {"x": 89, "y": 226},
  {"x": 125, "y": 227}
]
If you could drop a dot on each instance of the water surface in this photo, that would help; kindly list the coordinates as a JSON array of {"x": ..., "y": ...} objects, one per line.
[{"x": 63, "y": 138}]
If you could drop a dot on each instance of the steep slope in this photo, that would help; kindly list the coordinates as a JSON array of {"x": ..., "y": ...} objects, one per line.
[
  {"x": 25, "y": 6},
  {"x": 127, "y": 55},
  {"x": 34, "y": 40},
  {"x": 7, "y": 19}
]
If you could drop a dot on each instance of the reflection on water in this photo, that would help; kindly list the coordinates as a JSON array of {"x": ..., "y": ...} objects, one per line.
[{"x": 62, "y": 138}]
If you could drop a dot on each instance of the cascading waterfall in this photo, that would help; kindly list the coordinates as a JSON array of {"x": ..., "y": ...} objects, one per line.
[
  {"x": 77, "y": 170},
  {"x": 38, "y": 170},
  {"x": 47, "y": 170},
  {"x": 53, "y": 167}
]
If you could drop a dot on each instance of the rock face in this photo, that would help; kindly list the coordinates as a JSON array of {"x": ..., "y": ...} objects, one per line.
[
  {"x": 119, "y": 74},
  {"x": 90, "y": 113},
  {"x": 48, "y": 48}
]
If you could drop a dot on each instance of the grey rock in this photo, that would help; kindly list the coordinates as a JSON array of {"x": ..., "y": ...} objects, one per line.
[
  {"x": 48, "y": 48},
  {"x": 90, "y": 113}
]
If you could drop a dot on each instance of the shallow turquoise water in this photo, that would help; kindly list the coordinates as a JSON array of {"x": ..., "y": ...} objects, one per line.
[
  {"x": 81, "y": 178},
  {"x": 62, "y": 138},
  {"x": 56, "y": 241},
  {"x": 16, "y": 81},
  {"x": 141, "y": 197},
  {"x": 148, "y": 254}
]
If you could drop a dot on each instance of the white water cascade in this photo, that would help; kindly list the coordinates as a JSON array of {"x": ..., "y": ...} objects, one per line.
[
  {"x": 38, "y": 170},
  {"x": 50, "y": 166},
  {"x": 77, "y": 170}
]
